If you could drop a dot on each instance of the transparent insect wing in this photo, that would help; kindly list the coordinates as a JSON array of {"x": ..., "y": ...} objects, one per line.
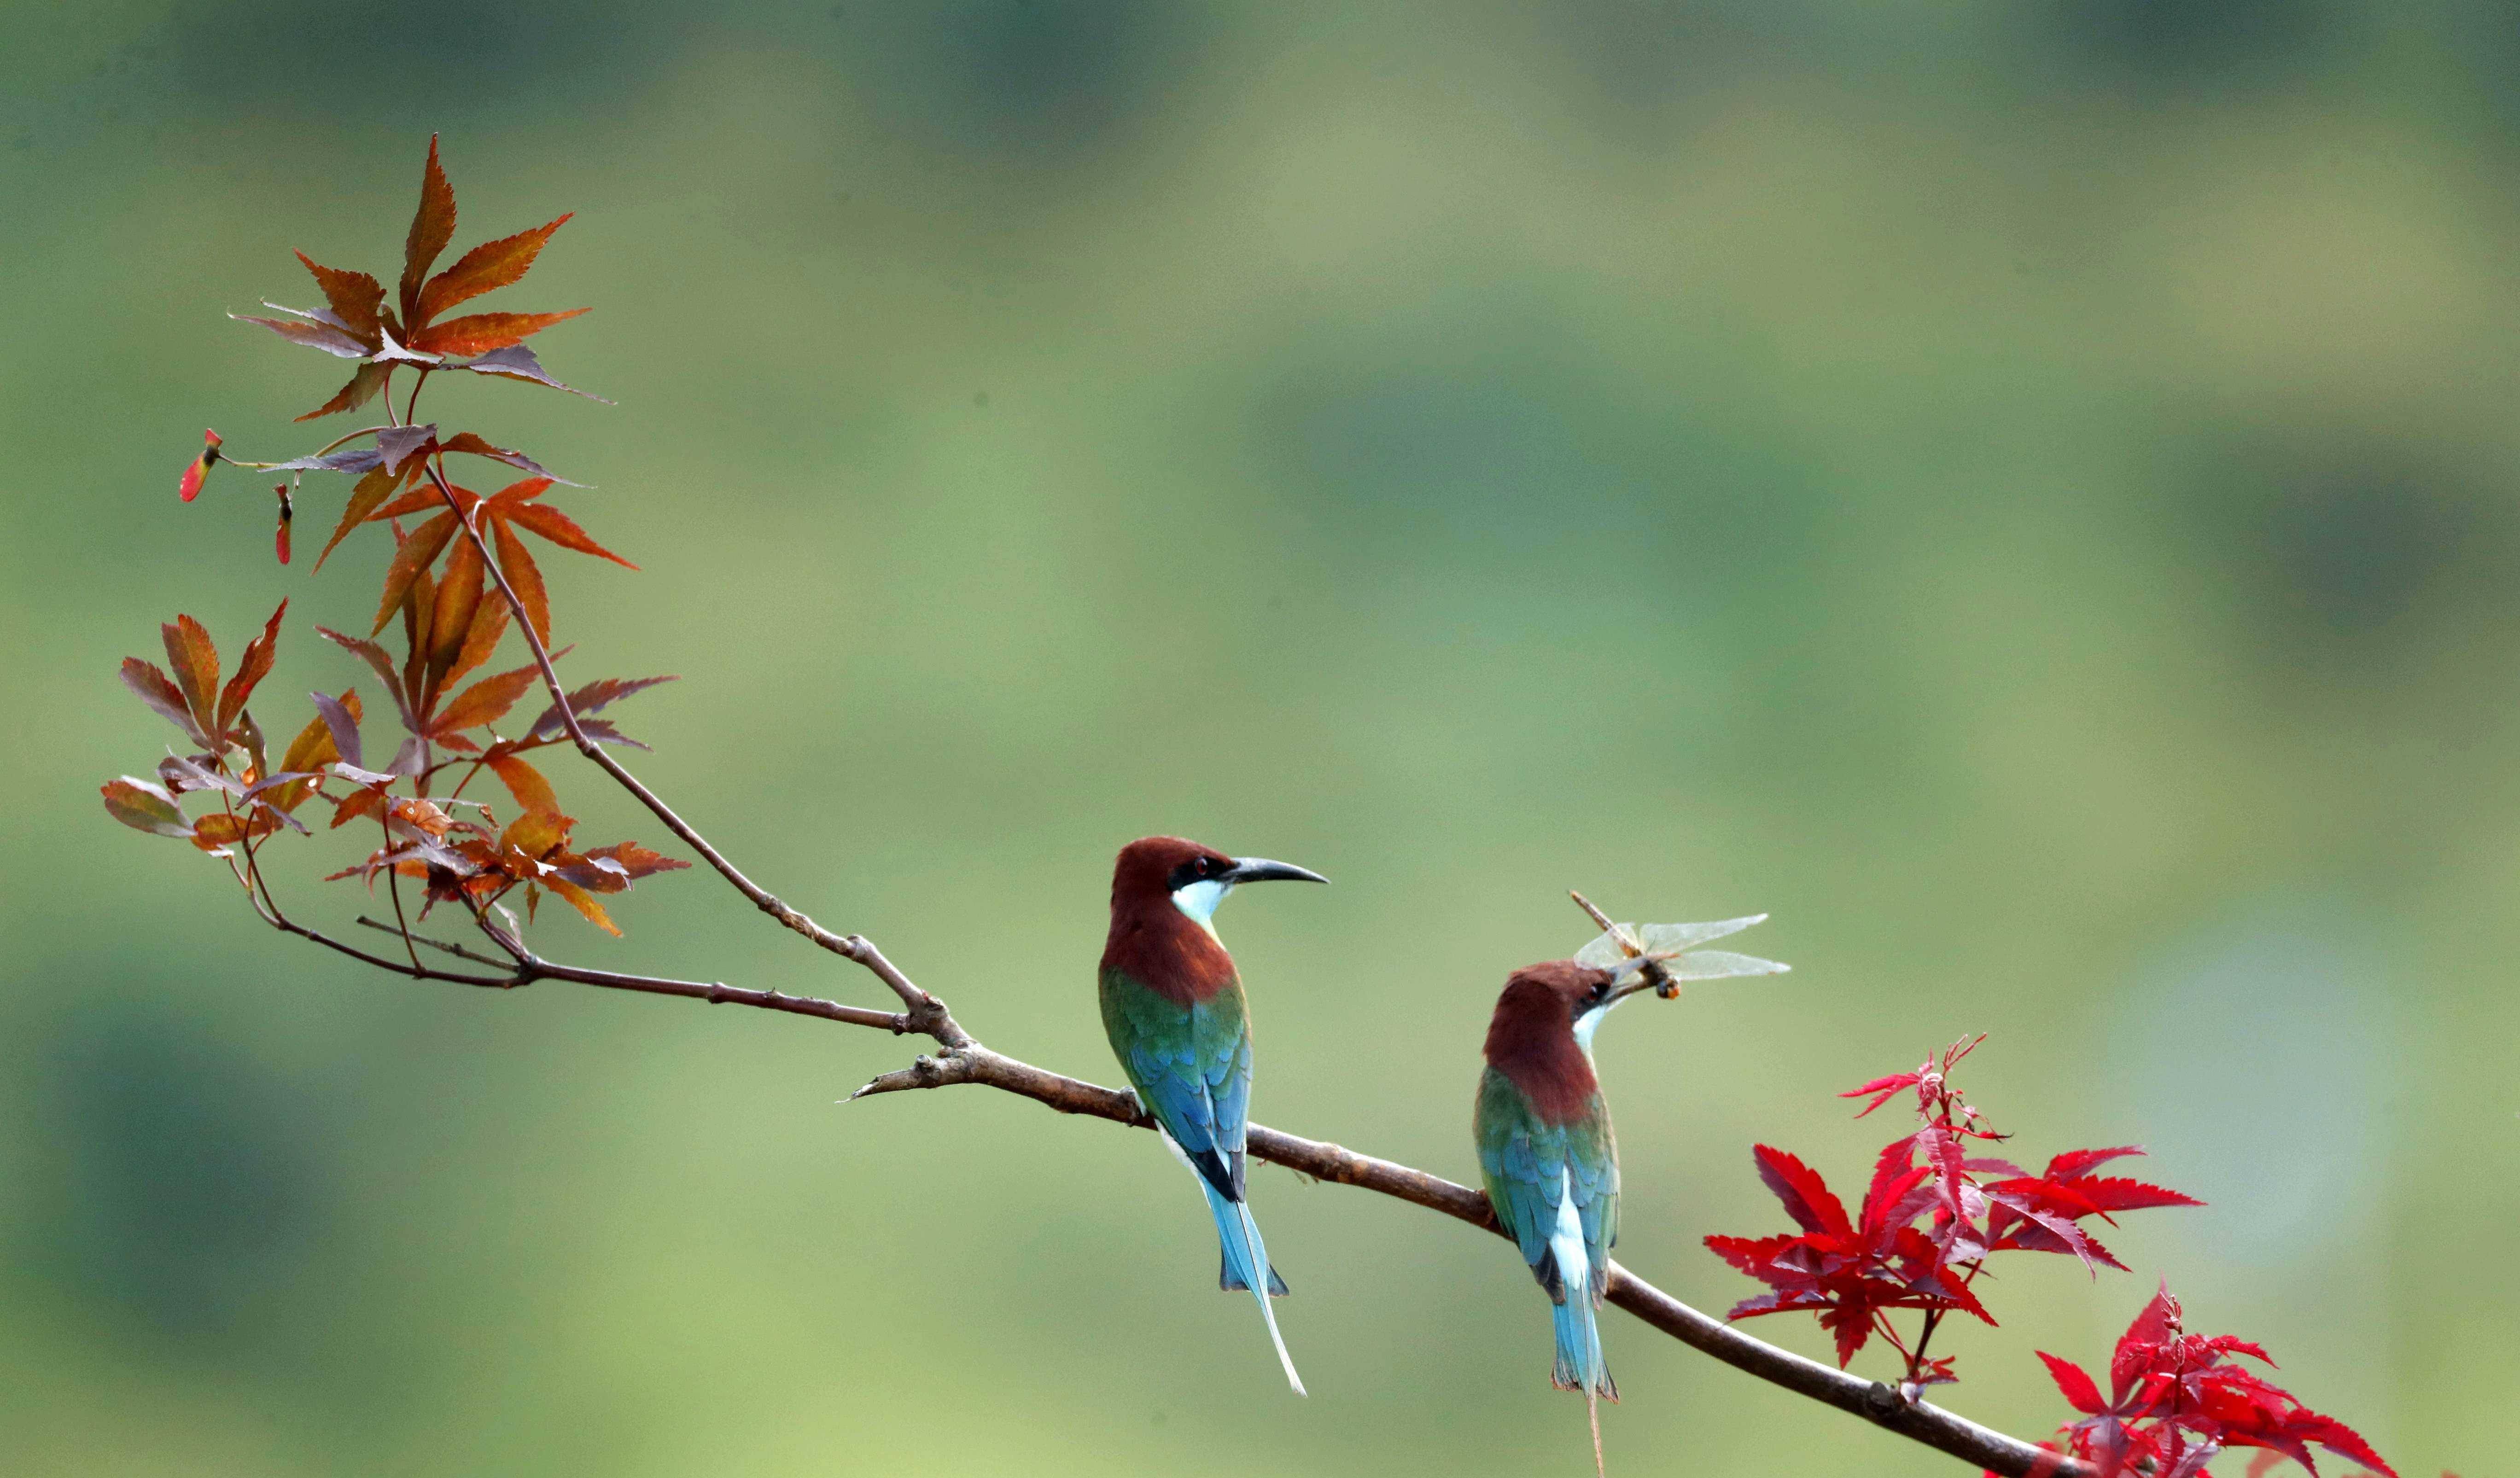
[
  {"x": 1603, "y": 952},
  {"x": 1658, "y": 937},
  {"x": 1720, "y": 964}
]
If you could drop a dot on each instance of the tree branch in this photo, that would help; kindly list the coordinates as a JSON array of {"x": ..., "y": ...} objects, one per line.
[
  {"x": 929, "y": 1013},
  {"x": 963, "y": 1059},
  {"x": 971, "y": 1062},
  {"x": 1874, "y": 1401}
]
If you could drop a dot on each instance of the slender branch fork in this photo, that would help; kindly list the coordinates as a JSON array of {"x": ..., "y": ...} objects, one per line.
[{"x": 961, "y": 1059}]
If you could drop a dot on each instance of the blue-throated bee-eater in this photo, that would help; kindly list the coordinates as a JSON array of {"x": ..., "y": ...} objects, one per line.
[
  {"x": 1548, "y": 1155},
  {"x": 1173, "y": 1006}
]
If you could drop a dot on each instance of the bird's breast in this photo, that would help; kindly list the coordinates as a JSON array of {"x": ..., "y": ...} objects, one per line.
[{"x": 1171, "y": 955}]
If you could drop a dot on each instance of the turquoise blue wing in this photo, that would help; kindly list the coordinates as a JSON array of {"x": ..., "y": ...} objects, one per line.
[
  {"x": 1521, "y": 1159},
  {"x": 1536, "y": 1172},
  {"x": 1592, "y": 1165},
  {"x": 1531, "y": 1167},
  {"x": 1192, "y": 1067}
]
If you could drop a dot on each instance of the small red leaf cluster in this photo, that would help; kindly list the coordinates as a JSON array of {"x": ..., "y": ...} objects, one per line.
[
  {"x": 2176, "y": 1399},
  {"x": 454, "y": 859},
  {"x": 254, "y": 800},
  {"x": 356, "y": 324},
  {"x": 1933, "y": 1214},
  {"x": 1936, "y": 1210},
  {"x": 354, "y": 321},
  {"x": 452, "y": 585}
]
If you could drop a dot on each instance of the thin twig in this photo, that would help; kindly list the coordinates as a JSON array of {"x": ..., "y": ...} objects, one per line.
[
  {"x": 393, "y": 888},
  {"x": 718, "y": 994},
  {"x": 269, "y": 909},
  {"x": 456, "y": 949},
  {"x": 933, "y": 1018}
]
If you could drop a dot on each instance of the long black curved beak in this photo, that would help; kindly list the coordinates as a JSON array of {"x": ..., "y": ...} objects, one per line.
[{"x": 1262, "y": 869}]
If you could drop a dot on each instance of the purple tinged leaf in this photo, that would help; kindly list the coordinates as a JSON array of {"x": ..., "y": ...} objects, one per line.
[
  {"x": 361, "y": 459},
  {"x": 396, "y": 445},
  {"x": 193, "y": 777},
  {"x": 382, "y": 665},
  {"x": 343, "y": 728},
  {"x": 590, "y": 699},
  {"x": 269, "y": 782},
  {"x": 466, "y": 442},
  {"x": 518, "y": 362},
  {"x": 359, "y": 777},
  {"x": 603, "y": 732},
  {"x": 314, "y": 334},
  {"x": 159, "y": 693}
]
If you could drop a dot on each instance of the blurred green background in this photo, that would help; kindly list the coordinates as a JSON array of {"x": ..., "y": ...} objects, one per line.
[{"x": 2021, "y": 491}]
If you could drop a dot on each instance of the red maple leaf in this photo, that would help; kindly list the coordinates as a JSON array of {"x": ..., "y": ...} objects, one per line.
[
  {"x": 1931, "y": 1217},
  {"x": 1847, "y": 1271},
  {"x": 355, "y": 323},
  {"x": 2039, "y": 1213},
  {"x": 2178, "y": 1399}
]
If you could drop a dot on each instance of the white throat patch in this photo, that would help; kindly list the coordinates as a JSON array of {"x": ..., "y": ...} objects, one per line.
[
  {"x": 1590, "y": 1022},
  {"x": 1199, "y": 900}
]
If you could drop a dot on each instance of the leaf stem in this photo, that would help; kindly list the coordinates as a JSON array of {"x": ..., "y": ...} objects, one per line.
[
  {"x": 393, "y": 882},
  {"x": 851, "y": 947},
  {"x": 333, "y": 445}
]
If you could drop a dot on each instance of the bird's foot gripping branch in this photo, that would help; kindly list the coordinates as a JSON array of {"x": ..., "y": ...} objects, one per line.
[{"x": 461, "y": 582}]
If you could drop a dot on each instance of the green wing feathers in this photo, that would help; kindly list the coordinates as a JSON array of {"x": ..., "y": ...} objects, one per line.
[
  {"x": 1529, "y": 1166},
  {"x": 1192, "y": 1067}
]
